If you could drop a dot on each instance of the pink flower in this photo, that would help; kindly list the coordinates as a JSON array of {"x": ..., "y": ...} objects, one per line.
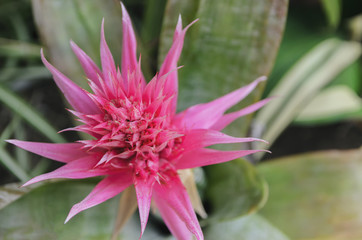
[{"x": 138, "y": 138}]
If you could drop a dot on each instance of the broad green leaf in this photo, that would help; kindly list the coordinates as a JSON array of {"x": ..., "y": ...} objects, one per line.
[
  {"x": 40, "y": 215},
  {"x": 188, "y": 10},
  {"x": 234, "y": 189},
  {"x": 233, "y": 43},
  {"x": 150, "y": 35},
  {"x": 59, "y": 21},
  {"x": 21, "y": 77},
  {"x": 332, "y": 9},
  {"x": 333, "y": 104},
  {"x": 302, "y": 82},
  {"x": 14, "y": 48},
  {"x": 251, "y": 227},
  {"x": 350, "y": 77},
  {"x": 10, "y": 192},
  {"x": 298, "y": 39},
  {"x": 316, "y": 195},
  {"x": 355, "y": 26},
  {"x": 25, "y": 111}
]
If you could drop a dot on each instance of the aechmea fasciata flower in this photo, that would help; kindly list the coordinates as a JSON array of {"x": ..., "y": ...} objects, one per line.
[{"x": 138, "y": 138}]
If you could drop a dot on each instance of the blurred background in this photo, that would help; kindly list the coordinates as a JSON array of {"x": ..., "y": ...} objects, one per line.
[{"x": 311, "y": 51}]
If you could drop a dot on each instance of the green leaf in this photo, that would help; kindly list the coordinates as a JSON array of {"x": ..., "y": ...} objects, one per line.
[
  {"x": 350, "y": 77},
  {"x": 59, "y": 21},
  {"x": 21, "y": 156},
  {"x": 316, "y": 195},
  {"x": 8, "y": 131},
  {"x": 234, "y": 189},
  {"x": 14, "y": 48},
  {"x": 333, "y": 104},
  {"x": 12, "y": 165},
  {"x": 188, "y": 10},
  {"x": 332, "y": 9},
  {"x": 233, "y": 43},
  {"x": 40, "y": 215},
  {"x": 298, "y": 39},
  {"x": 150, "y": 35},
  {"x": 40, "y": 167},
  {"x": 302, "y": 82},
  {"x": 29, "y": 114},
  {"x": 18, "y": 77},
  {"x": 355, "y": 28},
  {"x": 10, "y": 192},
  {"x": 251, "y": 227}
]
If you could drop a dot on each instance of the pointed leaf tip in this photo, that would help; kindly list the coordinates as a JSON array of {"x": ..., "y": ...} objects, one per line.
[
  {"x": 104, "y": 190},
  {"x": 73, "y": 211},
  {"x": 129, "y": 49},
  {"x": 76, "y": 96},
  {"x": 90, "y": 69},
  {"x": 125, "y": 15},
  {"x": 102, "y": 28},
  {"x": 69, "y": 217},
  {"x": 12, "y": 141},
  {"x": 26, "y": 184},
  {"x": 62, "y": 152},
  {"x": 207, "y": 156},
  {"x": 181, "y": 219},
  {"x": 261, "y": 79},
  {"x": 107, "y": 61},
  {"x": 179, "y": 23},
  {"x": 192, "y": 23},
  {"x": 144, "y": 196}
]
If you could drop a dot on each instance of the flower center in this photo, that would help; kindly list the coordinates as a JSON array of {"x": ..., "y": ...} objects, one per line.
[{"x": 132, "y": 134}]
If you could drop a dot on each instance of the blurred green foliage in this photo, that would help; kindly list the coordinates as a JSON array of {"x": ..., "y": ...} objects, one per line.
[
  {"x": 233, "y": 43},
  {"x": 315, "y": 195}
]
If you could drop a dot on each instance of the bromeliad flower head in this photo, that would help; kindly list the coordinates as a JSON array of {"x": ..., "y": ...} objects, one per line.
[{"x": 137, "y": 136}]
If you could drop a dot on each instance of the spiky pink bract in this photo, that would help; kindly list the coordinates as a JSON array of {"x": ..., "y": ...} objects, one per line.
[{"x": 137, "y": 136}]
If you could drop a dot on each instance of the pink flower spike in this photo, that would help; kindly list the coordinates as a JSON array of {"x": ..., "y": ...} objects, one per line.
[
  {"x": 108, "y": 67},
  {"x": 76, "y": 96},
  {"x": 144, "y": 195},
  {"x": 204, "y": 157},
  {"x": 62, "y": 152},
  {"x": 170, "y": 63},
  {"x": 91, "y": 70},
  {"x": 174, "y": 223},
  {"x": 76, "y": 169},
  {"x": 129, "y": 46},
  {"x": 105, "y": 189},
  {"x": 230, "y": 117},
  {"x": 194, "y": 117},
  {"x": 172, "y": 193},
  {"x": 199, "y": 138},
  {"x": 137, "y": 137}
]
